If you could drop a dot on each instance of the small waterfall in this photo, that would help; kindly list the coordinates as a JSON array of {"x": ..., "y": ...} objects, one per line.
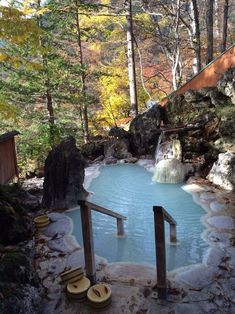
[
  {"x": 169, "y": 171},
  {"x": 158, "y": 145},
  {"x": 168, "y": 165}
]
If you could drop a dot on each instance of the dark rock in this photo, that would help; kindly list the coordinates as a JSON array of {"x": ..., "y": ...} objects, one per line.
[
  {"x": 64, "y": 176},
  {"x": 93, "y": 150},
  {"x": 131, "y": 160},
  {"x": 14, "y": 228},
  {"x": 99, "y": 159},
  {"x": 117, "y": 148},
  {"x": 144, "y": 130},
  {"x": 119, "y": 133},
  {"x": 110, "y": 160},
  {"x": 22, "y": 299}
]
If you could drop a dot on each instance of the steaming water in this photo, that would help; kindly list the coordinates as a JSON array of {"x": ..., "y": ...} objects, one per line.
[{"x": 129, "y": 190}]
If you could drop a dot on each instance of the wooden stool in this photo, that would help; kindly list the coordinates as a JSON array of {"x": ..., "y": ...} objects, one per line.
[
  {"x": 41, "y": 221},
  {"x": 78, "y": 290},
  {"x": 99, "y": 296},
  {"x": 72, "y": 275}
]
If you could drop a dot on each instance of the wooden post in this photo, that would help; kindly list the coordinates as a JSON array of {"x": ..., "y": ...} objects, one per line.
[
  {"x": 160, "y": 251},
  {"x": 173, "y": 233},
  {"x": 88, "y": 244},
  {"x": 120, "y": 227}
]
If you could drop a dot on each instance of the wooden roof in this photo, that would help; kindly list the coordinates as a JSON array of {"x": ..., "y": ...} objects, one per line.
[{"x": 6, "y": 136}]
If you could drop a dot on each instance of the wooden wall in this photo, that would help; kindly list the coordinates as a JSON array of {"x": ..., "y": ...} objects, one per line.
[
  {"x": 8, "y": 165},
  {"x": 210, "y": 75}
]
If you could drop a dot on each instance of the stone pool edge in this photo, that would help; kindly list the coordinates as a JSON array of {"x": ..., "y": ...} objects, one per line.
[{"x": 218, "y": 262}]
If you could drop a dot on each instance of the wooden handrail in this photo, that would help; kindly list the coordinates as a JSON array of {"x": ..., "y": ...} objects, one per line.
[
  {"x": 87, "y": 232},
  {"x": 168, "y": 217},
  {"x": 160, "y": 215},
  {"x": 105, "y": 211}
]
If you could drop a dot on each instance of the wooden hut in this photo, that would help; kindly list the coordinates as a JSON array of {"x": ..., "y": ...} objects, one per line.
[{"x": 8, "y": 161}]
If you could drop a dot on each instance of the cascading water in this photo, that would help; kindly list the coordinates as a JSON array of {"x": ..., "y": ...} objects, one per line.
[
  {"x": 169, "y": 171},
  {"x": 168, "y": 166}
]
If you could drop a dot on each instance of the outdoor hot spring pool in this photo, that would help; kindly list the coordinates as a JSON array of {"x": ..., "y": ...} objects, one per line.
[{"x": 129, "y": 190}]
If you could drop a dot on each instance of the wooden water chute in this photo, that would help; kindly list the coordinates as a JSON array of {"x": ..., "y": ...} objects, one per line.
[
  {"x": 160, "y": 216},
  {"x": 87, "y": 233}
]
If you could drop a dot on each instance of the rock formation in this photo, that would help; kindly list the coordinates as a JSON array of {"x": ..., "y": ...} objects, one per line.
[
  {"x": 64, "y": 176},
  {"x": 20, "y": 289},
  {"x": 223, "y": 171},
  {"x": 144, "y": 130}
]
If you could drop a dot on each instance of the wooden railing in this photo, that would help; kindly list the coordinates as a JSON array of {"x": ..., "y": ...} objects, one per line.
[
  {"x": 160, "y": 216},
  {"x": 87, "y": 232},
  {"x": 108, "y": 212}
]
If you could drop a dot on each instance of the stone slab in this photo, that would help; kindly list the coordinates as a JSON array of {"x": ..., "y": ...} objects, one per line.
[
  {"x": 198, "y": 277},
  {"x": 77, "y": 259},
  {"x": 221, "y": 222},
  {"x": 213, "y": 257},
  {"x": 60, "y": 227},
  {"x": 65, "y": 244}
]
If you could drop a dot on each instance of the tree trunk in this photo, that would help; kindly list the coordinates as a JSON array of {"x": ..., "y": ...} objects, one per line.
[
  {"x": 217, "y": 24},
  {"x": 47, "y": 85},
  {"x": 85, "y": 124},
  {"x": 209, "y": 27},
  {"x": 197, "y": 35},
  {"x": 131, "y": 58},
  {"x": 225, "y": 26}
]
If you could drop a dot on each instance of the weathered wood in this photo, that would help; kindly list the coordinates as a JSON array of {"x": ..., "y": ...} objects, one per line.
[
  {"x": 173, "y": 238},
  {"x": 88, "y": 244},
  {"x": 160, "y": 251},
  {"x": 104, "y": 211},
  {"x": 8, "y": 166},
  {"x": 120, "y": 227}
]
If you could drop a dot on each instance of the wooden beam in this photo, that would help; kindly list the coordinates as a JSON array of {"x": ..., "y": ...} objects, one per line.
[
  {"x": 104, "y": 210},
  {"x": 168, "y": 217},
  {"x": 160, "y": 251},
  {"x": 88, "y": 244}
]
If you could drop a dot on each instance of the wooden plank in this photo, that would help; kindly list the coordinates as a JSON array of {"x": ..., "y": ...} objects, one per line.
[
  {"x": 160, "y": 251},
  {"x": 104, "y": 210},
  {"x": 173, "y": 238},
  {"x": 7, "y": 161},
  {"x": 88, "y": 243}
]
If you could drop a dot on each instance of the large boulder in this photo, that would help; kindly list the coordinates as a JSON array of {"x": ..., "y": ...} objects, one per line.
[
  {"x": 144, "y": 130},
  {"x": 64, "y": 176},
  {"x": 93, "y": 150},
  {"x": 223, "y": 171},
  {"x": 119, "y": 133}
]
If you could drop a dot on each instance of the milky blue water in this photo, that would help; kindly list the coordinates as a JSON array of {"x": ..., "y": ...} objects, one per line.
[{"x": 129, "y": 190}]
